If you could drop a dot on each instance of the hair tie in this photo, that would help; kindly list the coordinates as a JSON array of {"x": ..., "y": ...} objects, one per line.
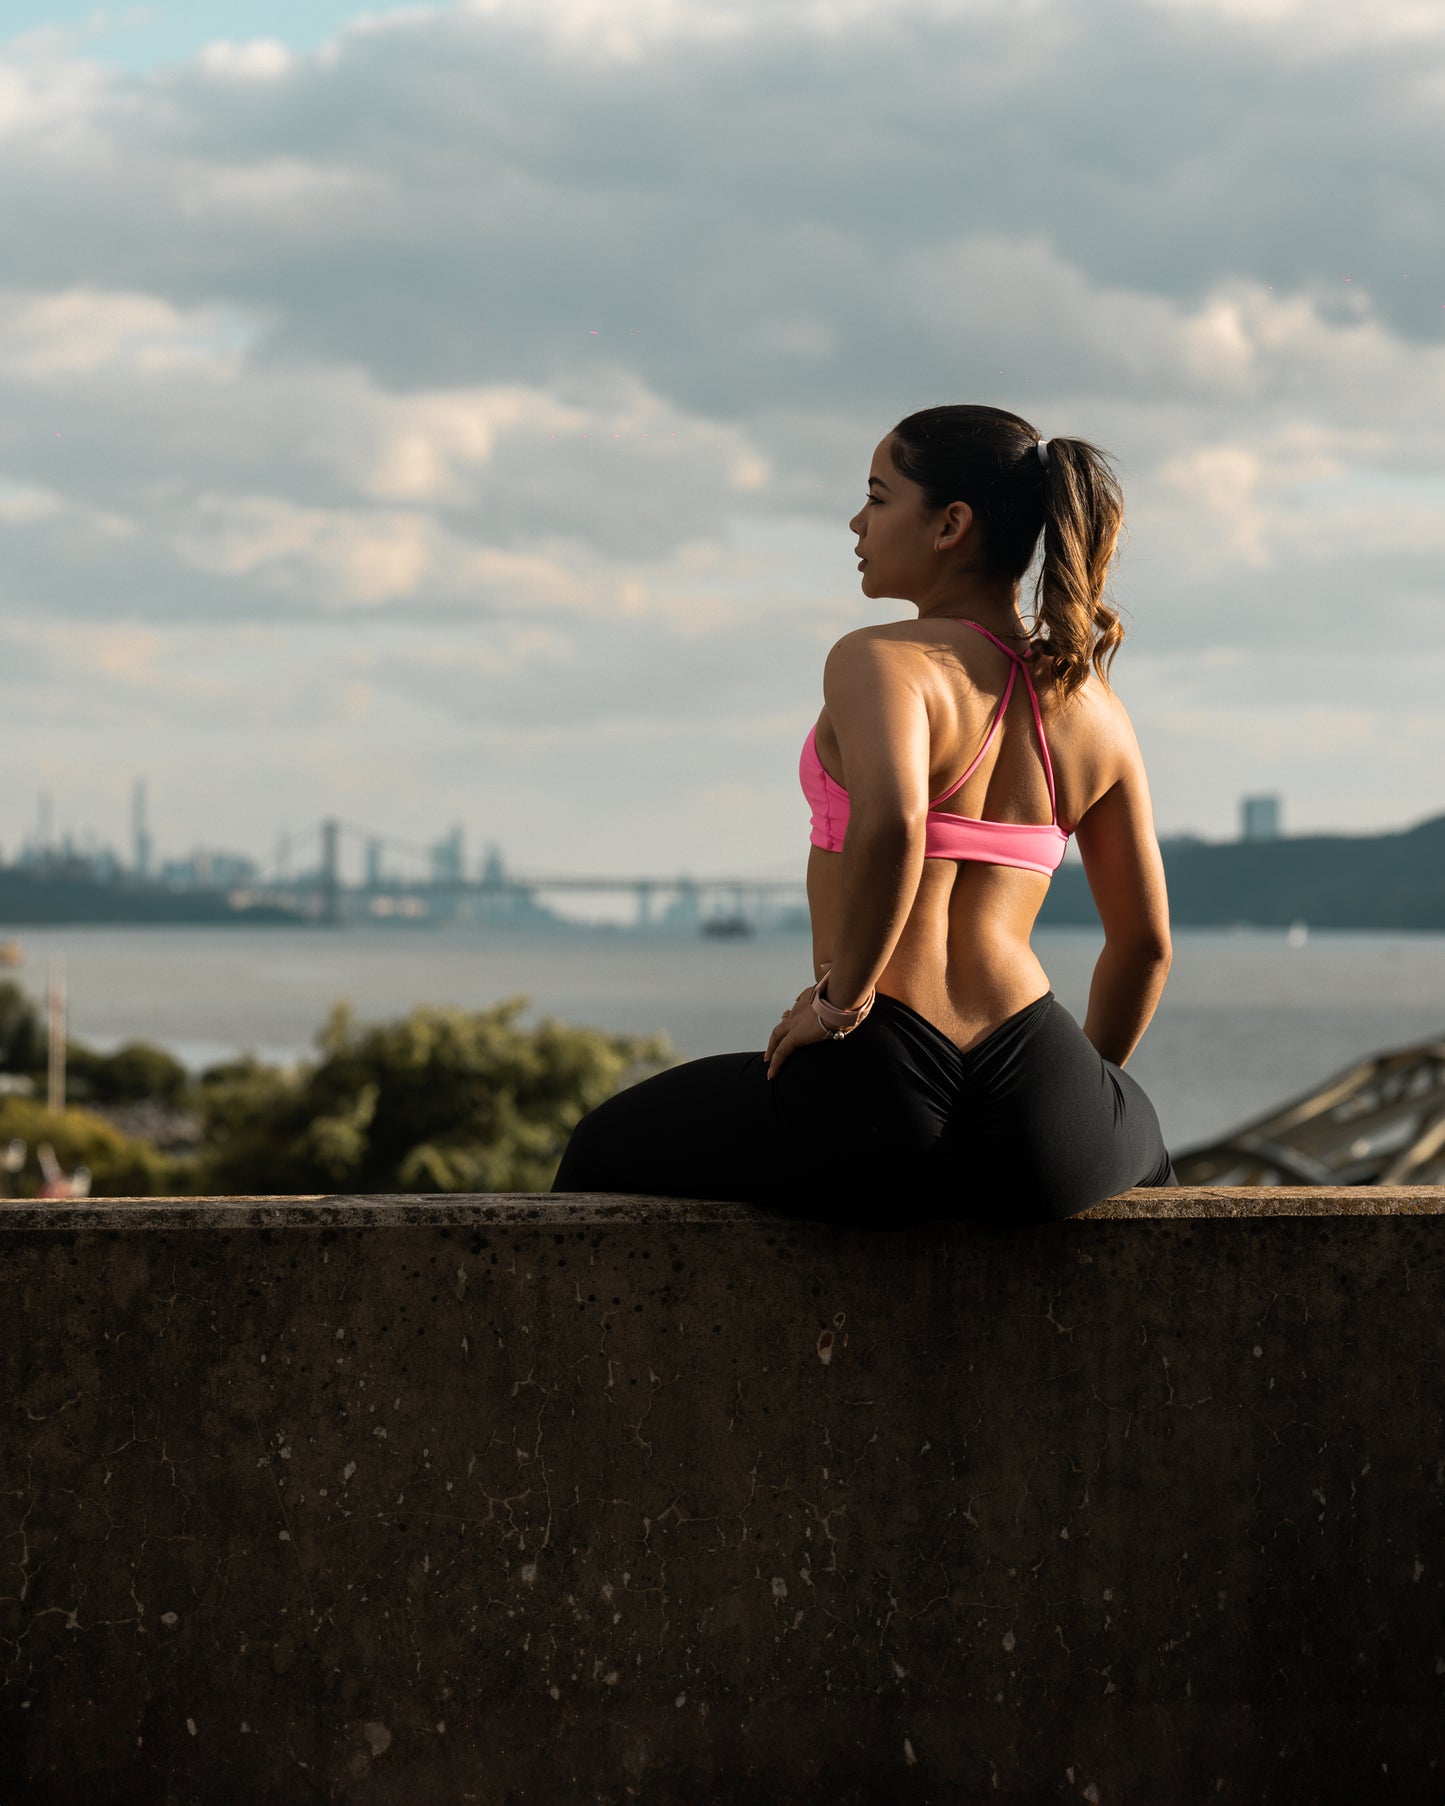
[{"x": 1044, "y": 453}]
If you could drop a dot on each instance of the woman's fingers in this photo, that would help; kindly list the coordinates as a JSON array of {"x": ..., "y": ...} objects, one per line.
[
  {"x": 782, "y": 1027},
  {"x": 780, "y": 1045},
  {"x": 800, "y": 1029}
]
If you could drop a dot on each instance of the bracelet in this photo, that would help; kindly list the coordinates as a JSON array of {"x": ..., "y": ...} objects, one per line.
[{"x": 838, "y": 1022}]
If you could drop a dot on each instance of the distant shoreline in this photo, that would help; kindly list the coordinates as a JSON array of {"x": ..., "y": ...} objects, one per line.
[{"x": 1359, "y": 882}]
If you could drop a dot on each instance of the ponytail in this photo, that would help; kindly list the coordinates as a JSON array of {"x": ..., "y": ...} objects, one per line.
[
  {"x": 1083, "y": 509},
  {"x": 992, "y": 460}
]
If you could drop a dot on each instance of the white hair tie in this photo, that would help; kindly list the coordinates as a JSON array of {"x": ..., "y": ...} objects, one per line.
[{"x": 1044, "y": 452}]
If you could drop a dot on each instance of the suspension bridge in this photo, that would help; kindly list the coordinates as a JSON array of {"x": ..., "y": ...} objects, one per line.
[{"x": 309, "y": 878}]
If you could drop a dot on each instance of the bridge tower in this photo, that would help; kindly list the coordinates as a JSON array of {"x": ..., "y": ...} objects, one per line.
[{"x": 330, "y": 878}]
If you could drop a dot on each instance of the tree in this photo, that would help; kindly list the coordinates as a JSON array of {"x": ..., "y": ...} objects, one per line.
[
  {"x": 135, "y": 1071},
  {"x": 443, "y": 1100},
  {"x": 22, "y": 1039}
]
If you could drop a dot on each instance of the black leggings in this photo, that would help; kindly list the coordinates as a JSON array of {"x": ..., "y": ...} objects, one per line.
[{"x": 892, "y": 1125}]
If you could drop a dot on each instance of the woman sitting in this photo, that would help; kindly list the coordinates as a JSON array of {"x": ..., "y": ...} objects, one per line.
[{"x": 929, "y": 1071}]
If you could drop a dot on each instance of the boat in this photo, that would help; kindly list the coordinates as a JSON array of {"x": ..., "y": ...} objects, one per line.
[{"x": 727, "y": 927}]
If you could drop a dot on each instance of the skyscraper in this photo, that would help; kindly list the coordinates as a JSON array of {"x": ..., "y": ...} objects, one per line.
[{"x": 1259, "y": 818}]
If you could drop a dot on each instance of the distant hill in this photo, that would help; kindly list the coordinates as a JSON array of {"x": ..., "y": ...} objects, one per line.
[{"x": 1327, "y": 880}]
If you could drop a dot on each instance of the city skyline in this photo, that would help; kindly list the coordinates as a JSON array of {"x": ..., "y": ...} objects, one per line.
[{"x": 458, "y": 854}]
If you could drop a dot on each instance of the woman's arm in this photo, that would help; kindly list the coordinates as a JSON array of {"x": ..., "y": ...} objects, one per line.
[
  {"x": 822, "y": 907},
  {"x": 880, "y": 722},
  {"x": 1126, "y": 875}
]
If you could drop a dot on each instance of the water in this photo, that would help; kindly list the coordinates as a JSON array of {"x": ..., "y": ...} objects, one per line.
[{"x": 1249, "y": 1018}]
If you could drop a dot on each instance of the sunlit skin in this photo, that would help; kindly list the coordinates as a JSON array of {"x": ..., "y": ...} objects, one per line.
[{"x": 906, "y": 706}]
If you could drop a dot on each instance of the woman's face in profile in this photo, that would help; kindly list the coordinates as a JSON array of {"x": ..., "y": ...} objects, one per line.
[{"x": 886, "y": 528}]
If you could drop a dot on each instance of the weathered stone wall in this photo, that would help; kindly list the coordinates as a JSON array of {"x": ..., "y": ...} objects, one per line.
[{"x": 436, "y": 1501}]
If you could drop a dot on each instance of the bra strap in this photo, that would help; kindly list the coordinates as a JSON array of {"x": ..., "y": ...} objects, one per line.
[
  {"x": 1044, "y": 749},
  {"x": 1016, "y": 656},
  {"x": 1017, "y": 660},
  {"x": 988, "y": 739}
]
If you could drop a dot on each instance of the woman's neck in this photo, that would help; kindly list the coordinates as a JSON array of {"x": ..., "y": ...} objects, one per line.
[
  {"x": 964, "y": 589},
  {"x": 990, "y": 608}
]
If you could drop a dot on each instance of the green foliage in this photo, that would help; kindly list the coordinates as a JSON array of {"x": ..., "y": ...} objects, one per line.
[
  {"x": 120, "y": 1166},
  {"x": 137, "y": 1070},
  {"x": 22, "y": 1036},
  {"x": 443, "y": 1100}
]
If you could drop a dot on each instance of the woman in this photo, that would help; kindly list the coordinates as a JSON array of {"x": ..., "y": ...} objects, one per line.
[{"x": 930, "y": 1071}]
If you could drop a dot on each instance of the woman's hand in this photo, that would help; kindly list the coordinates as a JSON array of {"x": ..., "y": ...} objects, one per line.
[{"x": 797, "y": 1027}]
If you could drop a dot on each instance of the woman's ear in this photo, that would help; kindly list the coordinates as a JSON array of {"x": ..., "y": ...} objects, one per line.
[{"x": 957, "y": 519}]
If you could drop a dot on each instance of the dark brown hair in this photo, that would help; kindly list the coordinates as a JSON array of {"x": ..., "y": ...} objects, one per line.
[{"x": 990, "y": 459}]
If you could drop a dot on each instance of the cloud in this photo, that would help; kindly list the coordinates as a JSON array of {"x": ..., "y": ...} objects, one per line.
[
  {"x": 253, "y": 60},
  {"x": 79, "y": 331}
]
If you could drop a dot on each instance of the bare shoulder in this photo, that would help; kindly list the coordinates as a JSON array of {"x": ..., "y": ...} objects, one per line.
[
  {"x": 875, "y": 650},
  {"x": 1093, "y": 741},
  {"x": 863, "y": 642}
]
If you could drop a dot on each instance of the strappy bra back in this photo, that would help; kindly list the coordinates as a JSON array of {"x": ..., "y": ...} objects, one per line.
[{"x": 1036, "y": 847}]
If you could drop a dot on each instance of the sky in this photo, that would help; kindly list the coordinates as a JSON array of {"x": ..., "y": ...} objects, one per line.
[{"x": 451, "y": 415}]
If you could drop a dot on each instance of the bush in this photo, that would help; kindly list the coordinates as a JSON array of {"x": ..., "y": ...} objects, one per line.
[
  {"x": 136, "y": 1071},
  {"x": 443, "y": 1100},
  {"x": 120, "y": 1167}
]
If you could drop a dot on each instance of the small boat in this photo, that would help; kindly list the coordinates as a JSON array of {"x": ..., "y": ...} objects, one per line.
[{"x": 727, "y": 927}]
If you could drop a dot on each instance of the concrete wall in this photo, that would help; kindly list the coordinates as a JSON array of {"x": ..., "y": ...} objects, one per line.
[{"x": 451, "y": 1500}]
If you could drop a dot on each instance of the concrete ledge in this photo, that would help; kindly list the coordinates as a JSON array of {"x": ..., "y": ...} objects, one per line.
[
  {"x": 455, "y": 1209},
  {"x": 518, "y": 1499}
]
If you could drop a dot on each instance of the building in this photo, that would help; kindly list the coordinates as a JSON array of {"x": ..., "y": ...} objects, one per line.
[
  {"x": 1259, "y": 818},
  {"x": 207, "y": 870}
]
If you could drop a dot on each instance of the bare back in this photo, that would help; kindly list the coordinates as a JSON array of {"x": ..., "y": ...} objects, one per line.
[{"x": 964, "y": 959}]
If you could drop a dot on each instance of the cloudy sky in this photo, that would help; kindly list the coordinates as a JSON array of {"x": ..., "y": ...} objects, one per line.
[{"x": 453, "y": 413}]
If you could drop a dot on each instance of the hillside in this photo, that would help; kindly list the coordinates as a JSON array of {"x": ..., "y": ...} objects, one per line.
[{"x": 1326, "y": 880}]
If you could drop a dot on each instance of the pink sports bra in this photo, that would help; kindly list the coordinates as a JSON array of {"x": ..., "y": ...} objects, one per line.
[{"x": 1037, "y": 847}]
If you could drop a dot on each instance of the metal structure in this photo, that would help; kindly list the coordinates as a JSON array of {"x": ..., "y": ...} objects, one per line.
[
  {"x": 1379, "y": 1123},
  {"x": 441, "y": 889}
]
